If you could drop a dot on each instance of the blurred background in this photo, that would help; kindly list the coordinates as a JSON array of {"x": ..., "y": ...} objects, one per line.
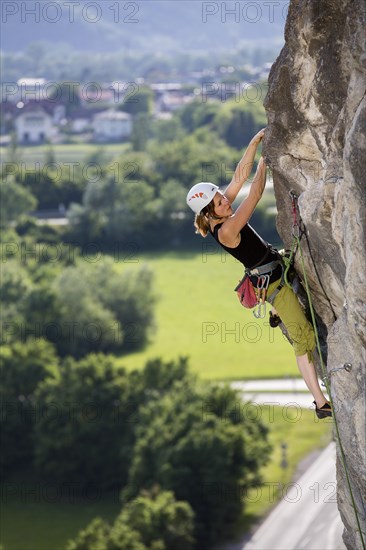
[{"x": 119, "y": 325}]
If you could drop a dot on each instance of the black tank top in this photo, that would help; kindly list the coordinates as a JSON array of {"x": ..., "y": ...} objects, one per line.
[{"x": 252, "y": 251}]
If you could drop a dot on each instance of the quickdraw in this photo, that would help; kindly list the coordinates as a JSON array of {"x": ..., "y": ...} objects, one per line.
[
  {"x": 262, "y": 287},
  {"x": 298, "y": 231},
  {"x": 297, "y": 226}
]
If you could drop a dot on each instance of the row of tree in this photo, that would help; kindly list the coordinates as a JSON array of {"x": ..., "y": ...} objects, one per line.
[
  {"x": 139, "y": 196},
  {"x": 90, "y": 424},
  {"x": 62, "y": 61}
]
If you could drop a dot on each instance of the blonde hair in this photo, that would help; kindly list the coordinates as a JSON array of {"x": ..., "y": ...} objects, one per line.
[{"x": 202, "y": 220}]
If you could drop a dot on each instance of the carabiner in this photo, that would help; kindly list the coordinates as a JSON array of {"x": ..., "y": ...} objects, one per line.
[
  {"x": 260, "y": 312},
  {"x": 263, "y": 282}
]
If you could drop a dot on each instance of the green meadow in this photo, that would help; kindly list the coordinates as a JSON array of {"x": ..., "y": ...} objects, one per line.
[
  {"x": 64, "y": 153},
  {"x": 198, "y": 315}
]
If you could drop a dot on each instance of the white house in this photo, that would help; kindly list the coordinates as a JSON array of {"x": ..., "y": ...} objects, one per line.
[
  {"x": 111, "y": 126},
  {"x": 33, "y": 125}
]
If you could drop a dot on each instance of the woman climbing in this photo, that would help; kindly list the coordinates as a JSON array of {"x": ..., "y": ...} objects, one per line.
[{"x": 215, "y": 215}]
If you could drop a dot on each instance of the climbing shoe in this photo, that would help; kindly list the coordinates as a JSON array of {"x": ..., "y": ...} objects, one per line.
[
  {"x": 274, "y": 320},
  {"x": 324, "y": 411}
]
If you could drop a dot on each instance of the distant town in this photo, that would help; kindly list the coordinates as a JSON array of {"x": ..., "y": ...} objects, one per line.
[{"x": 35, "y": 111}]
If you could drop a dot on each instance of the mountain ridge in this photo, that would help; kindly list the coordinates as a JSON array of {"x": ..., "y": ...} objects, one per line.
[{"x": 142, "y": 25}]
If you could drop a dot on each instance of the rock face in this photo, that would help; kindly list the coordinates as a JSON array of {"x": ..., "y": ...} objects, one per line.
[{"x": 316, "y": 145}]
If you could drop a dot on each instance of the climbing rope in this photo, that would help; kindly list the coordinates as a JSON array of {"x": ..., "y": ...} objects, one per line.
[{"x": 298, "y": 230}]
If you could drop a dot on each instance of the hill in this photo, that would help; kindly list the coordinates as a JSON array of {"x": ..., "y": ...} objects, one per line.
[{"x": 146, "y": 25}]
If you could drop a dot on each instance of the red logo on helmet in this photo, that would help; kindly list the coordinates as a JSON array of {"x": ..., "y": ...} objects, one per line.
[{"x": 200, "y": 195}]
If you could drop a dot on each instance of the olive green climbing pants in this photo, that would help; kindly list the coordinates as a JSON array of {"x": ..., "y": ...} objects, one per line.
[{"x": 292, "y": 315}]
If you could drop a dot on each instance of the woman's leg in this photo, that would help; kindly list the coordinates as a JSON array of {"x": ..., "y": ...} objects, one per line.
[
  {"x": 287, "y": 306},
  {"x": 310, "y": 377}
]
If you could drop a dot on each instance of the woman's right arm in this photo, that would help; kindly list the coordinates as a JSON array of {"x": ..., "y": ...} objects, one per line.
[
  {"x": 231, "y": 228},
  {"x": 244, "y": 167}
]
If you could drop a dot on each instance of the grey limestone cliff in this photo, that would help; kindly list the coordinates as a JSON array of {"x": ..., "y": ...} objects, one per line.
[{"x": 316, "y": 145}]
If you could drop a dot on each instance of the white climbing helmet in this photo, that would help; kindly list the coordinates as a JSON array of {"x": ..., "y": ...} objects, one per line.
[{"x": 201, "y": 195}]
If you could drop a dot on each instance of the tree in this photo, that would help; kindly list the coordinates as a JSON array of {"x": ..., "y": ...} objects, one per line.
[
  {"x": 102, "y": 309},
  {"x": 82, "y": 308},
  {"x": 160, "y": 520},
  {"x": 143, "y": 202},
  {"x": 140, "y": 101},
  {"x": 92, "y": 406},
  {"x": 193, "y": 442},
  {"x": 168, "y": 130},
  {"x": 201, "y": 156},
  {"x": 53, "y": 186},
  {"x": 153, "y": 521},
  {"x": 115, "y": 210},
  {"x": 84, "y": 323},
  {"x": 240, "y": 128},
  {"x": 236, "y": 123},
  {"x": 205, "y": 114},
  {"x": 141, "y": 131},
  {"x": 93, "y": 537},
  {"x": 88, "y": 418},
  {"x": 130, "y": 296},
  {"x": 41, "y": 307},
  {"x": 159, "y": 377},
  {"x": 15, "y": 287},
  {"x": 23, "y": 366},
  {"x": 15, "y": 201},
  {"x": 173, "y": 199},
  {"x": 197, "y": 114}
]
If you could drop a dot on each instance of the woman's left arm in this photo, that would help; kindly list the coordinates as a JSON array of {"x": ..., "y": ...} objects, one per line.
[{"x": 243, "y": 168}]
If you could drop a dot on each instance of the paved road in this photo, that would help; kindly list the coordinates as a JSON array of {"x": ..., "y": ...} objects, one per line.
[
  {"x": 307, "y": 518},
  {"x": 289, "y": 384}
]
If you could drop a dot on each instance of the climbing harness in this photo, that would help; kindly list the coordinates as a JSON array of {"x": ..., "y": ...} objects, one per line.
[
  {"x": 298, "y": 230},
  {"x": 251, "y": 297},
  {"x": 264, "y": 273}
]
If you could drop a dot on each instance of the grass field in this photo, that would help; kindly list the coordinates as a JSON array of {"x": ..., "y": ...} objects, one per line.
[
  {"x": 198, "y": 315},
  {"x": 37, "y": 517},
  {"x": 73, "y": 152}
]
